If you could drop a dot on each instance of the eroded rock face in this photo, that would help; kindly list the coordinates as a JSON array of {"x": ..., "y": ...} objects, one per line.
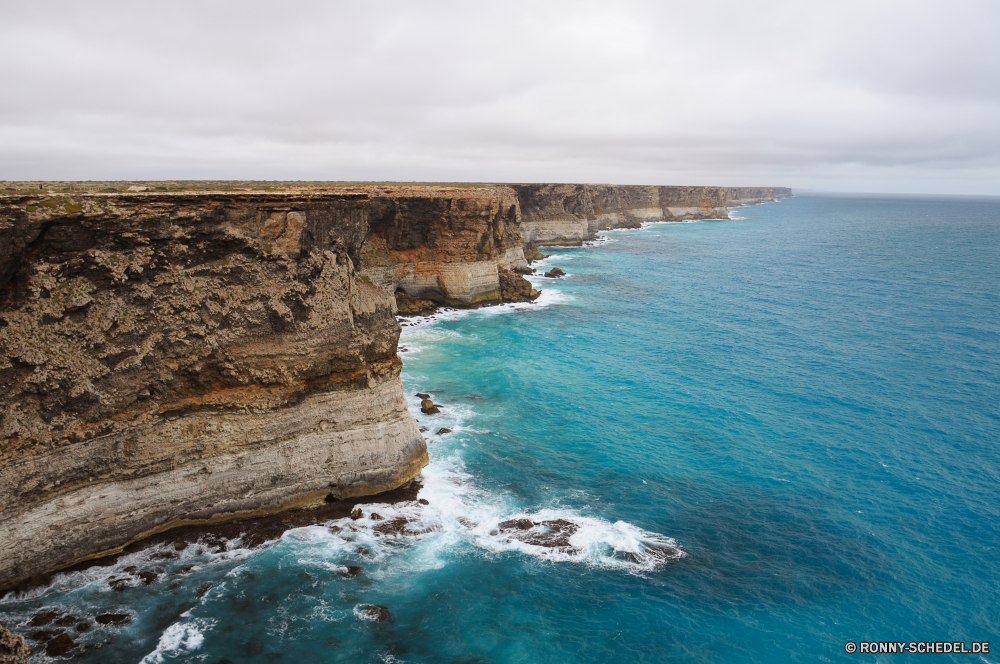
[
  {"x": 13, "y": 650},
  {"x": 444, "y": 245},
  {"x": 573, "y": 213},
  {"x": 175, "y": 358}
]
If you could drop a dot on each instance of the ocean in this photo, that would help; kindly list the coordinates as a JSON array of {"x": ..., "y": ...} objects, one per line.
[{"x": 746, "y": 440}]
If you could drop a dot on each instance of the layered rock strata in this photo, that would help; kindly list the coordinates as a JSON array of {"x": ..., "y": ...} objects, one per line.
[
  {"x": 176, "y": 359},
  {"x": 446, "y": 246},
  {"x": 572, "y": 213},
  {"x": 170, "y": 359}
]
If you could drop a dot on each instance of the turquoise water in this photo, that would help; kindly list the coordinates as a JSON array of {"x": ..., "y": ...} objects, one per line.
[{"x": 769, "y": 436}]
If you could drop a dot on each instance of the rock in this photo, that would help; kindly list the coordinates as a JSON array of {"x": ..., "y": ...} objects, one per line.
[
  {"x": 429, "y": 407},
  {"x": 119, "y": 585},
  {"x": 515, "y": 288},
  {"x": 180, "y": 545},
  {"x": 13, "y": 649},
  {"x": 376, "y": 612},
  {"x": 83, "y": 627},
  {"x": 148, "y": 577},
  {"x": 237, "y": 321},
  {"x": 375, "y": 516},
  {"x": 555, "y": 273},
  {"x": 424, "y": 501},
  {"x": 115, "y": 618},
  {"x": 350, "y": 571},
  {"x": 356, "y": 513},
  {"x": 395, "y": 526},
  {"x": 422, "y": 395},
  {"x": 65, "y": 621},
  {"x": 59, "y": 646},
  {"x": 408, "y": 306},
  {"x": 442, "y": 431},
  {"x": 43, "y": 618},
  {"x": 531, "y": 253},
  {"x": 554, "y": 533}
]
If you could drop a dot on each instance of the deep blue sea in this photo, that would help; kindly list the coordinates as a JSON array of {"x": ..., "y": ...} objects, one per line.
[{"x": 758, "y": 439}]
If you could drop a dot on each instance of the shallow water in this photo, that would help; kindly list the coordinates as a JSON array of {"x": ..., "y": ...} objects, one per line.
[{"x": 722, "y": 441}]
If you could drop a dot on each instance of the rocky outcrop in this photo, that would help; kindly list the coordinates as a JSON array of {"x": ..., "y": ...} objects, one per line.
[
  {"x": 573, "y": 213},
  {"x": 455, "y": 246},
  {"x": 175, "y": 359},
  {"x": 12, "y": 648}
]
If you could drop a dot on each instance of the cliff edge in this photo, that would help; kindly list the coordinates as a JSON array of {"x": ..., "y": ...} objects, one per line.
[
  {"x": 180, "y": 357},
  {"x": 169, "y": 359},
  {"x": 571, "y": 213}
]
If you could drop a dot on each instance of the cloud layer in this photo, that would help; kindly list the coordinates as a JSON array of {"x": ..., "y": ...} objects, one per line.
[{"x": 859, "y": 96}]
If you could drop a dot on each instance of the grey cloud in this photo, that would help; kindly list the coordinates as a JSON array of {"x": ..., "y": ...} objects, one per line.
[{"x": 869, "y": 96}]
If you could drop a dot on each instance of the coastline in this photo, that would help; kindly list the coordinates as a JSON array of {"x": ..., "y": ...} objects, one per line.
[{"x": 257, "y": 517}]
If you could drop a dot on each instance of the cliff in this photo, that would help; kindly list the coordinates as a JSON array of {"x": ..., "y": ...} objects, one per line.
[
  {"x": 572, "y": 213},
  {"x": 193, "y": 357},
  {"x": 446, "y": 245},
  {"x": 171, "y": 359}
]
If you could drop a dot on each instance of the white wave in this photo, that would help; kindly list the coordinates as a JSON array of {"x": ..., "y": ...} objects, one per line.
[
  {"x": 179, "y": 639},
  {"x": 459, "y": 513},
  {"x": 420, "y": 330}
]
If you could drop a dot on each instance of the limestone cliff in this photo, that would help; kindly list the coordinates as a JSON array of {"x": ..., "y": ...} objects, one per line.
[
  {"x": 572, "y": 213},
  {"x": 197, "y": 356},
  {"x": 446, "y": 245},
  {"x": 167, "y": 359}
]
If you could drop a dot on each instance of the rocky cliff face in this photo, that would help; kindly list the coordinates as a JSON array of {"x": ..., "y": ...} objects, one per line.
[
  {"x": 571, "y": 213},
  {"x": 167, "y": 359},
  {"x": 446, "y": 245},
  {"x": 195, "y": 357}
]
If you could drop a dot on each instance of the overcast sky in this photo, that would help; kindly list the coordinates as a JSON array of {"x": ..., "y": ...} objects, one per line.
[{"x": 838, "y": 96}]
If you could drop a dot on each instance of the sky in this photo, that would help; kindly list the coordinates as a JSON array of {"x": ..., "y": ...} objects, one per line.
[{"x": 864, "y": 96}]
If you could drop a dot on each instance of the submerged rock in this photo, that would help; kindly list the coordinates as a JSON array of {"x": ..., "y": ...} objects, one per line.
[
  {"x": 517, "y": 524},
  {"x": 349, "y": 571},
  {"x": 553, "y": 534},
  {"x": 422, "y": 395},
  {"x": 148, "y": 577},
  {"x": 60, "y": 645},
  {"x": 424, "y": 501},
  {"x": 442, "y": 431},
  {"x": 376, "y": 612},
  {"x": 13, "y": 650},
  {"x": 43, "y": 618},
  {"x": 114, "y": 618}
]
